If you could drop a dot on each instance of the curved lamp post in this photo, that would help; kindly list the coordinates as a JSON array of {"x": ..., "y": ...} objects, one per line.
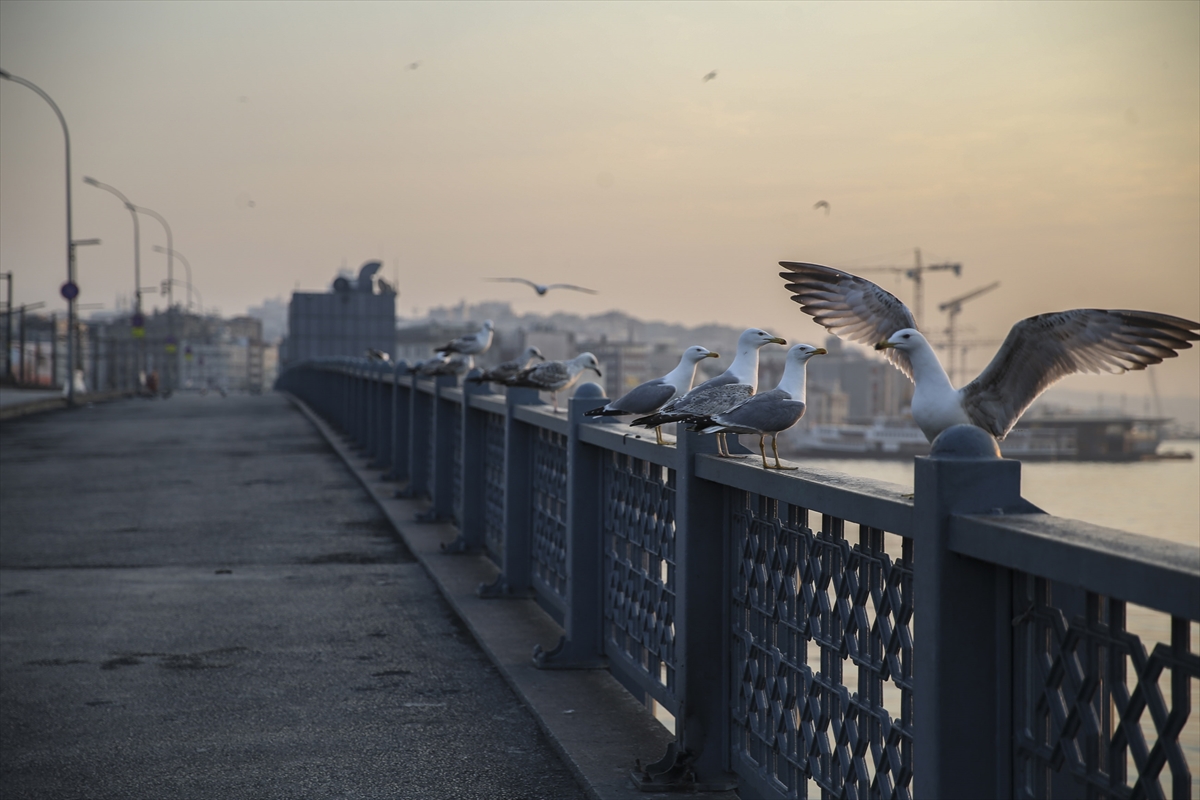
[
  {"x": 8, "y": 76},
  {"x": 137, "y": 259},
  {"x": 188, "y": 267},
  {"x": 170, "y": 290}
]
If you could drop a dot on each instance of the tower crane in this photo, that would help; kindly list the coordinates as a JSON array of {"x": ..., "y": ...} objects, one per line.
[
  {"x": 952, "y": 308},
  {"x": 915, "y": 273}
]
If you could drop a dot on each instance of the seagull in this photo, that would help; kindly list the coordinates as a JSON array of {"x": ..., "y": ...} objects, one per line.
[
  {"x": 542, "y": 288},
  {"x": 510, "y": 369},
  {"x": 710, "y": 76},
  {"x": 822, "y": 204},
  {"x": 456, "y": 364},
  {"x": 427, "y": 366},
  {"x": 554, "y": 376},
  {"x": 717, "y": 395},
  {"x": 1037, "y": 352},
  {"x": 769, "y": 412},
  {"x": 472, "y": 344},
  {"x": 652, "y": 395},
  {"x": 414, "y": 65},
  {"x": 378, "y": 355}
]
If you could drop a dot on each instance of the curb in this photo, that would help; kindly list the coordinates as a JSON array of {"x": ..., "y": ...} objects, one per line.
[{"x": 55, "y": 403}]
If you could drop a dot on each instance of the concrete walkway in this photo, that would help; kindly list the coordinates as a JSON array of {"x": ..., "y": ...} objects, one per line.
[{"x": 198, "y": 600}]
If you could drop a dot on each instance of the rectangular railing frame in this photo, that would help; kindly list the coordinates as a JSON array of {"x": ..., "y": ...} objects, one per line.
[{"x": 978, "y": 546}]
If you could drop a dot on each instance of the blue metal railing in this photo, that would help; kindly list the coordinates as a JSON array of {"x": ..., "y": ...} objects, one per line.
[{"x": 774, "y": 615}]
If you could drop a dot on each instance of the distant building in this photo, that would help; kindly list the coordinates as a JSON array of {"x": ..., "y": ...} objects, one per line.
[
  {"x": 853, "y": 387},
  {"x": 345, "y": 321}
]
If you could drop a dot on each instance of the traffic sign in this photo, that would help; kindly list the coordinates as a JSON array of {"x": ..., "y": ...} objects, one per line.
[
  {"x": 69, "y": 290},
  {"x": 138, "y": 320}
]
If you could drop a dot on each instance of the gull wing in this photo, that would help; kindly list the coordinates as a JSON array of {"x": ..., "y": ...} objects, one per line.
[
  {"x": 548, "y": 376},
  {"x": 513, "y": 280},
  {"x": 572, "y": 287},
  {"x": 1042, "y": 349},
  {"x": 649, "y": 396},
  {"x": 769, "y": 412},
  {"x": 851, "y": 307}
]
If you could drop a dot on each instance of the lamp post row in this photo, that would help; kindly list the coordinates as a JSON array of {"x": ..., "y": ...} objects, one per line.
[{"x": 70, "y": 289}]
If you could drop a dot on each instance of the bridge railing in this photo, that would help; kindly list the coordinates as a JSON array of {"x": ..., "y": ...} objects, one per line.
[{"x": 775, "y": 615}]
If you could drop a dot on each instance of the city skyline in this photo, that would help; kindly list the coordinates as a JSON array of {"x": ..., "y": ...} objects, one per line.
[{"x": 1050, "y": 147}]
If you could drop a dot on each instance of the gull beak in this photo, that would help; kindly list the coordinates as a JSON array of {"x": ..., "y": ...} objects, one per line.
[
  {"x": 820, "y": 351},
  {"x": 713, "y": 355},
  {"x": 597, "y": 372},
  {"x": 778, "y": 340},
  {"x": 884, "y": 346}
]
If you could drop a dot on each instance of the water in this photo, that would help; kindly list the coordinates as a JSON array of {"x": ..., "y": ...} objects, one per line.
[{"x": 1153, "y": 498}]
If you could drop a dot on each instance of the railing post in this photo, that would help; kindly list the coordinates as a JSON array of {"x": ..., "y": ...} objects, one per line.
[
  {"x": 962, "y": 697},
  {"x": 515, "y": 580},
  {"x": 474, "y": 448},
  {"x": 698, "y": 759},
  {"x": 582, "y": 647},
  {"x": 383, "y": 418},
  {"x": 401, "y": 406},
  {"x": 441, "y": 482},
  {"x": 420, "y": 415}
]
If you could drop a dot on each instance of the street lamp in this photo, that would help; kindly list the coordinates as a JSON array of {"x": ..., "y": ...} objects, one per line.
[
  {"x": 138, "y": 319},
  {"x": 170, "y": 290},
  {"x": 69, "y": 294},
  {"x": 187, "y": 266}
]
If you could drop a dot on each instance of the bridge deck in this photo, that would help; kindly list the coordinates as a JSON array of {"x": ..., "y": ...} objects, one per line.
[{"x": 197, "y": 599}]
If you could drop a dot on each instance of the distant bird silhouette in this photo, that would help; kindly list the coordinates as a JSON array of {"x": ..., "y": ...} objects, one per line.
[
  {"x": 542, "y": 288},
  {"x": 822, "y": 204},
  {"x": 710, "y": 76},
  {"x": 414, "y": 65}
]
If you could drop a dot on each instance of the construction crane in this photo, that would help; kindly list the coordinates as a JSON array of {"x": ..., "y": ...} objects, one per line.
[
  {"x": 958, "y": 361},
  {"x": 915, "y": 273}
]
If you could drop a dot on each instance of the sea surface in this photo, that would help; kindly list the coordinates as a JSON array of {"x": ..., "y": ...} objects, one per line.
[{"x": 1153, "y": 498}]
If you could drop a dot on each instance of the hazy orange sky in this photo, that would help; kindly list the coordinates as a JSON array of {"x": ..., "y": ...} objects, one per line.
[{"x": 1054, "y": 147}]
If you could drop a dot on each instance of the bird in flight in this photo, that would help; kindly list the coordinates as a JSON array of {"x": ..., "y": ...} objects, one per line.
[
  {"x": 1038, "y": 351},
  {"x": 710, "y": 76},
  {"x": 822, "y": 204},
  {"x": 414, "y": 65},
  {"x": 542, "y": 288}
]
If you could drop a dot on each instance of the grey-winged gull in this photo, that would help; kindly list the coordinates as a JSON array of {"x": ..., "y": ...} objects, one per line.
[
  {"x": 542, "y": 288},
  {"x": 1037, "y": 352},
  {"x": 509, "y": 369},
  {"x": 554, "y": 376},
  {"x": 472, "y": 344},
  {"x": 719, "y": 394},
  {"x": 653, "y": 394},
  {"x": 769, "y": 412}
]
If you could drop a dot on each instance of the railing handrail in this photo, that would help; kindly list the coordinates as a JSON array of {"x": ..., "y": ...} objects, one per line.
[{"x": 1155, "y": 573}]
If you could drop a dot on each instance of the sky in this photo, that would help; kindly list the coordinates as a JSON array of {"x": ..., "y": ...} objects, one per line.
[{"x": 1054, "y": 147}]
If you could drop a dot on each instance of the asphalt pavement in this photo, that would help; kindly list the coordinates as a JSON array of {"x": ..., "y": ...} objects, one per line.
[{"x": 198, "y": 599}]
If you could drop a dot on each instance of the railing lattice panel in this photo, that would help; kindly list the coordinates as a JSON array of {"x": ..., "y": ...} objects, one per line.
[
  {"x": 549, "y": 517},
  {"x": 493, "y": 487},
  {"x": 808, "y": 608}
]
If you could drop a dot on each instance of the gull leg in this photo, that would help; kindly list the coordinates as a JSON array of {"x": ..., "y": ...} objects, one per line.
[
  {"x": 658, "y": 433},
  {"x": 763, "y": 450},
  {"x": 723, "y": 447},
  {"x": 775, "y": 449}
]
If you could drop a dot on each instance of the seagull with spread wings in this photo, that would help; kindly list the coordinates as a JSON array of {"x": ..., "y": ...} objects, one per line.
[
  {"x": 1038, "y": 351},
  {"x": 542, "y": 288}
]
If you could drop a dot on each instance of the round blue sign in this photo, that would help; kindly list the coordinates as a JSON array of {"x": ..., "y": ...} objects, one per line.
[
  {"x": 138, "y": 321},
  {"x": 69, "y": 290}
]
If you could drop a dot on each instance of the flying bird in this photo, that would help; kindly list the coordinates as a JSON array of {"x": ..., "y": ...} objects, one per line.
[
  {"x": 510, "y": 369},
  {"x": 414, "y": 65},
  {"x": 653, "y": 394},
  {"x": 717, "y": 395},
  {"x": 1037, "y": 352},
  {"x": 710, "y": 76},
  {"x": 822, "y": 204},
  {"x": 472, "y": 344},
  {"x": 554, "y": 376},
  {"x": 769, "y": 412},
  {"x": 542, "y": 288}
]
